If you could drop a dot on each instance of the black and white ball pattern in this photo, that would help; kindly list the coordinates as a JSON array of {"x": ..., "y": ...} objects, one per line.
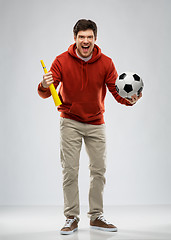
[{"x": 128, "y": 84}]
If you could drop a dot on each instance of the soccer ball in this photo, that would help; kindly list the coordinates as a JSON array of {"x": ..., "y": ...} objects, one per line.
[{"x": 128, "y": 84}]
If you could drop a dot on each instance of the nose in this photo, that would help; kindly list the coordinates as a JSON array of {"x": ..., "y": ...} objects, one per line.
[{"x": 85, "y": 40}]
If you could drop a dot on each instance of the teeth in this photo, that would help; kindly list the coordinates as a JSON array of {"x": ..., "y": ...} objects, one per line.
[{"x": 85, "y": 46}]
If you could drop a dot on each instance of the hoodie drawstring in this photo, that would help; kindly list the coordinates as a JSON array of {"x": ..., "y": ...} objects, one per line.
[
  {"x": 84, "y": 85},
  {"x": 82, "y": 76},
  {"x": 86, "y": 75}
]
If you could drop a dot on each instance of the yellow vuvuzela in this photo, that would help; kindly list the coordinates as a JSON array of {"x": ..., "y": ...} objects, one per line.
[{"x": 55, "y": 96}]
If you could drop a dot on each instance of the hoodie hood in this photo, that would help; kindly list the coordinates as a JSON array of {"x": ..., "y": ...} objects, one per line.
[{"x": 96, "y": 53}]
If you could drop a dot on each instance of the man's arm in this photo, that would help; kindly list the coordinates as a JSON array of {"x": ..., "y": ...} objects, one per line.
[{"x": 53, "y": 76}]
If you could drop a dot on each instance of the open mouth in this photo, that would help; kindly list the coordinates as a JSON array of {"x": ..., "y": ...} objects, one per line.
[{"x": 85, "y": 48}]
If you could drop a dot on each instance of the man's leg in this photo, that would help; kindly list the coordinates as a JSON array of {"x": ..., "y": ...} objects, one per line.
[
  {"x": 71, "y": 142},
  {"x": 95, "y": 142}
]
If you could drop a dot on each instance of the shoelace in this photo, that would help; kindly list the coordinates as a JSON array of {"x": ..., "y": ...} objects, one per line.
[
  {"x": 69, "y": 222},
  {"x": 101, "y": 218}
]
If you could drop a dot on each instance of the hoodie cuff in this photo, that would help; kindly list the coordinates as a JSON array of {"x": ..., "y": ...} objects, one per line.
[{"x": 41, "y": 88}]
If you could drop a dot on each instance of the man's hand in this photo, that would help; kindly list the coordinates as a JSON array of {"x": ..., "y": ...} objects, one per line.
[
  {"x": 47, "y": 80},
  {"x": 134, "y": 98}
]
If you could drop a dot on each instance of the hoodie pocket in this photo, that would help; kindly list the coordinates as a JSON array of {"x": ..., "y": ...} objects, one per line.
[{"x": 86, "y": 111}]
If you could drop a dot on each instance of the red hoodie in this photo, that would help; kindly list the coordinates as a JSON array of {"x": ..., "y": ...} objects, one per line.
[{"x": 83, "y": 85}]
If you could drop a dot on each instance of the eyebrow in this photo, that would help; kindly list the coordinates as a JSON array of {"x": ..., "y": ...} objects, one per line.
[{"x": 84, "y": 35}]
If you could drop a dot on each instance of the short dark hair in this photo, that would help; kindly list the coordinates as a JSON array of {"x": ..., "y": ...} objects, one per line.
[{"x": 83, "y": 25}]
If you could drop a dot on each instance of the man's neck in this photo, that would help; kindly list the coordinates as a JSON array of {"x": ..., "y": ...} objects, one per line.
[{"x": 84, "y": 59}]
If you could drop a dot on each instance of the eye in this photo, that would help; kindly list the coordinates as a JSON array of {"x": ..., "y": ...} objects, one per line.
[{"x": 90, "y": 37}]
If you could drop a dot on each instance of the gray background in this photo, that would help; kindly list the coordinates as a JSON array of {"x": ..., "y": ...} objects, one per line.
[{"x": 136, "y": 35}]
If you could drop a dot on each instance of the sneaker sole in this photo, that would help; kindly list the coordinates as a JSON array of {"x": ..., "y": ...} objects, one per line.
[
  {"x": 104, "y": 229},
  {"x": 68, "y": 232}
]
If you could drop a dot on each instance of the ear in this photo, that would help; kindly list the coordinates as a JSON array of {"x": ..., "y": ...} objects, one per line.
[{"x": 75, "y": 37}]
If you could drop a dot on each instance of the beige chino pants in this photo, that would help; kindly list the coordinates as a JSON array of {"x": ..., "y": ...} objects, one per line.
[{"x": 72, "y": 133}]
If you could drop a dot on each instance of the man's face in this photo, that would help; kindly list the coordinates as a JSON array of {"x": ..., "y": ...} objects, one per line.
[{"x": 85, "y": 41}]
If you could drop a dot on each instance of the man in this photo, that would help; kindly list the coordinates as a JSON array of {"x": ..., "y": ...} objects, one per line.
[{"x": 83, "y": 73}]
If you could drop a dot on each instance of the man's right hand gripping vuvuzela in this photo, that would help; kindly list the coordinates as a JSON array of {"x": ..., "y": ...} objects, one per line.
[{"x": 47, "y": 80}]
